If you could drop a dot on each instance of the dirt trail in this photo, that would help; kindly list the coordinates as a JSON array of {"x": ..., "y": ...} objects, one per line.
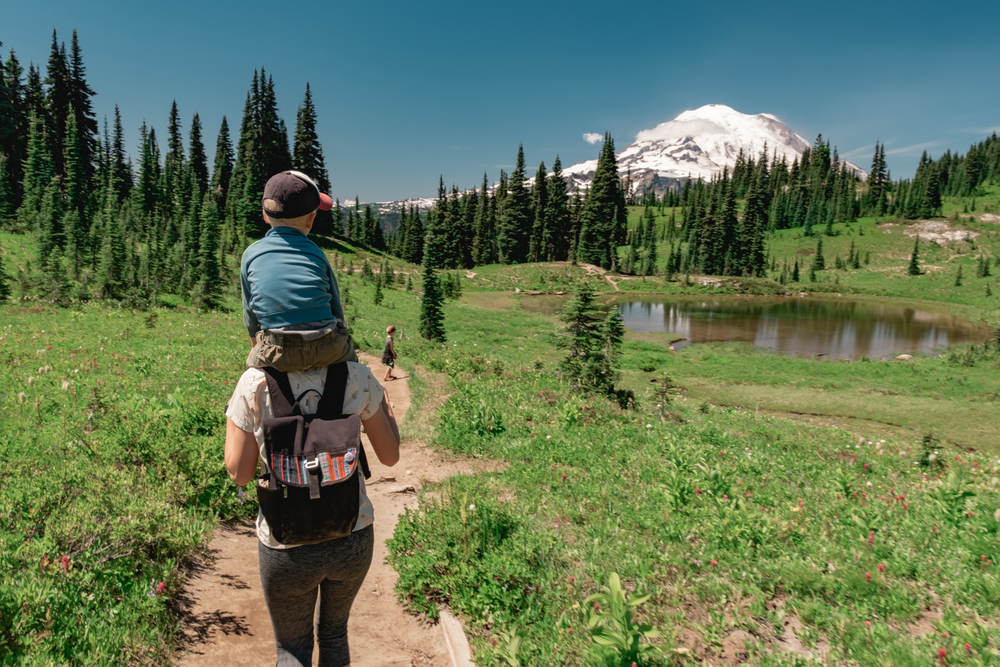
[{"x": 225, "y": 619}]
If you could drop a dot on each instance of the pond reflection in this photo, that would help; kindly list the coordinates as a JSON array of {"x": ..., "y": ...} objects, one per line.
[{"x": 811, "y": 326}]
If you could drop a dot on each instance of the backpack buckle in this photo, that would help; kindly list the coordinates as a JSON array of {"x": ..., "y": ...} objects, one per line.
[{"x": 315, "y": 474}]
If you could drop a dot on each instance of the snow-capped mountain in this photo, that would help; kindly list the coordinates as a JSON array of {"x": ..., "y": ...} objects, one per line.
[{"x": 698, "y": 144}]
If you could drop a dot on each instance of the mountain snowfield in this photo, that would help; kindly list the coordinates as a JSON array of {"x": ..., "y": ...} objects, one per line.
[{"x": 698, "y": 144}]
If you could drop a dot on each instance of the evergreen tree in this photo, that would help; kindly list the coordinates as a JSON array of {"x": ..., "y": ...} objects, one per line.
[
  {"x": 514, "y": 224},
  {"x": 37, "y": 173},
  {"x": 307, "y": 156},
  {"x": 222, "y": 170},
  {"x": 118, "y": 160},
  {"x": 753, "y": 228},
  {"x": 58, "y": 98},
  {"x": 74, "y": 180},
  {"x": 198, "y": 159},
  {"x": 7, "y": 208},
  {"x": 914, "y": 268},
  {"x": 958, "y": 277},
  {"x": 484, "y": 239},
  {"x": 378, "y": 291},
  {"x": 4, "y": 280},
  {"x": 604, "y": 216},
  {"x": 432, "y": 300},
  {"x": 818, "y": 262},
  {"x": 539, "y": 209},
  {"x": 173, "y": 164},
  {"x": 591, "y": 345},
  {"x": 795, "y": 272},
  {"x": 555, "y": 238},
  {"x": 83, "y": 112}
]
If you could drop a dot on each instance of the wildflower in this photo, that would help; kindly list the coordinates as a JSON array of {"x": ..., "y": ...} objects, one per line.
[
  {"x": 64, "y": 563},
  {"x": 44, "y": 563},
  {"x": 572, "y": 579},
  {"x": 871, "y": 539},
  {"x": 941, "y": 654},
  {"x": 569, "y": 630},
  {"x": 967, "y": 647},
  {"x": 472, "y": 508},
  {"x": 548, "y": 437},
  {"x": 564, "y": 477},
  {"x": 868, "y": 577},
  {"x": 881, "y": 568},
  {"x": 712, "y": 563},
  {"x": 649, "y": 426},
  {"x": 159, "y": 588},
  {"x": 697, "y": 492},
  {"x": 725, "y": 497},
  {"x": 868, "y": 624},
  {"x": 597, "y": 607}
]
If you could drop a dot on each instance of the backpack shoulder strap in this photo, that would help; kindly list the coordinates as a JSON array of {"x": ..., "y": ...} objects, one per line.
[
  {"x": 280, "y": 389},
  {"x": 332, "y": 401}
]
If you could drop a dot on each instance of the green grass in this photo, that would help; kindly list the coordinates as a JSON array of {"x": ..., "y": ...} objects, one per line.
[{"x": 121, "y": 472}]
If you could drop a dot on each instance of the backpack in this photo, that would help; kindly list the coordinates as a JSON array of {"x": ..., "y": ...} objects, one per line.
[{"x": 309, "y": 490}]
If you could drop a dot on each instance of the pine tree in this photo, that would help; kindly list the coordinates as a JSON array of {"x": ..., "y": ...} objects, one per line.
[
  {"x": 914, "y": 268},
  {"x": 555, "y": 238},
  {"x": 222, "y": 171},
  {"x": 432, "y": 300},
  {"x": 958, "y": 277},
  {"x": 795, "y": 272},
  {"x": 38, "y": 172},
  {"x": 118, "y": 161},
  {"x": 7, "y": 208},
  {"x": 377, "y": 300},
  {"x": 58, "y": 98},
  {"x": 539, "y": 210},
  {"x": 83, "y": 112},
  {"x": 198, "y": 159},
  {"x": 591, "y": 345},
  {"x": 818, "y": 262},
  {"x": 484, "y": 239},
  {"x": 307, "y": 156},
  {"x": 603, "y": 219},
  {"x": 514, "y": 225}
]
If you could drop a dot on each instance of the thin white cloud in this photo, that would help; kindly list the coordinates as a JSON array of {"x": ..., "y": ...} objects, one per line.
[
  {"x": 981, "y": 130},
  {"x": 915, "y": 148},
  {"x": 858, "y": 151},
  {"x": 592, "y": 137}
]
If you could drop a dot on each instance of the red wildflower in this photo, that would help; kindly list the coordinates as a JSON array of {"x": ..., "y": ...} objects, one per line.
[
  {"x": 871, "y": 539},
  {"x": 571, "y": 578},
  {"x": 712, "y": 563},
  {"x": 160, "y": 587},
  {"x": 967, "y": 647},
  {"x": 868, "y": 624},
  {"x": 941, "y": 654},
  {"x": 868, "y": 576},
  {"x": 64, "y": 563},
  {"x": 881, "y": 568},
  {"x": 597, "y": 607},
  {"x": 697, "y": 491}
]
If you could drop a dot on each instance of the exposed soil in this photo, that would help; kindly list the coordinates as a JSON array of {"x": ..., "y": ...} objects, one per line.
[{"x": 224, "y": 617}]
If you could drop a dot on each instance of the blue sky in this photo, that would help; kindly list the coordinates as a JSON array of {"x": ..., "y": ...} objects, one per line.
[{"x": 406, "y": 91}]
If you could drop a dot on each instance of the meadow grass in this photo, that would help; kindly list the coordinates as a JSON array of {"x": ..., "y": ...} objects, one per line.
[{"x": 750, "y": 533}]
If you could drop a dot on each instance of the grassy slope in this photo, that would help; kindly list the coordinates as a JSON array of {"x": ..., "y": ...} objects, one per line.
[{"x": 627, "y": 502}]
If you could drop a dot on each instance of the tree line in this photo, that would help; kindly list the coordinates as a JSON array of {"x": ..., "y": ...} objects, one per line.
[{"x": 171, "y": 223}]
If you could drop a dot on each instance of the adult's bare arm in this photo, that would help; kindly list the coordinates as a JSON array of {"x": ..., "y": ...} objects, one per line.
[
  {"x": 383, "y": 433},
  {"x": 241, "y": 454}
]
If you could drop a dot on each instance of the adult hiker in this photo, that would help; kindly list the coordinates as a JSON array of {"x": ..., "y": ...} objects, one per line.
[{"x": 303, "y": 426}]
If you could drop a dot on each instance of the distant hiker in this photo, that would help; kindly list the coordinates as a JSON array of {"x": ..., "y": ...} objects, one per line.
[
  {"x": 314, "y": 526},
  {"x": 389, "y": 353},
  {"x": 291, "y": 301}
]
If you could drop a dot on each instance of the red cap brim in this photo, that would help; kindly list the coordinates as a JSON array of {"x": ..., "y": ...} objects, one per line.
[{"x": 325, "y": 203}]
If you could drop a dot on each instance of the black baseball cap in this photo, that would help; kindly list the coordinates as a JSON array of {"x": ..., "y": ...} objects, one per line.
[{"x": 292, "y": 195}]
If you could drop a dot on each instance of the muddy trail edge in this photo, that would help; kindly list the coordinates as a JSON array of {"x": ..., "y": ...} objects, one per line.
[{"x": 224, "y": 617}]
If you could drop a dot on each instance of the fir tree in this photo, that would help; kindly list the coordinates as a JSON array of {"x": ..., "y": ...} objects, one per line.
[
  {"x": 83, "y": 112},
  {"x": 555, "y": 238},
  {"x": 818, "y": 262},
  {"x": 914, "y": 268},
  {"x": 58, "y": 98},
  {"x": 7, "y": 208},
  {"x": 38, "y": 172},
  {"x": 4, "y": 280},
  {"x": 604, "y": 216},
  {"x": 432, "y": 300},
  {"x": 222, "y": 170},
  {"x": 539, "y": 210},
  {"x": 795, "y": 272},
  {"x": 514, "y": 225},
  {"x": 377, "y": 300},
  {"x": 958, "y": 277},
  {"x": 591, "y": 345},
  {"x": 118, "y": 160},
  {"x": 198, "y": 159},
  {"x": 307, "y": 156}
]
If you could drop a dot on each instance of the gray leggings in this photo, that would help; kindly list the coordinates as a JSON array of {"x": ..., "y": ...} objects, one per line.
[{"x": 292, "y": 580}]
